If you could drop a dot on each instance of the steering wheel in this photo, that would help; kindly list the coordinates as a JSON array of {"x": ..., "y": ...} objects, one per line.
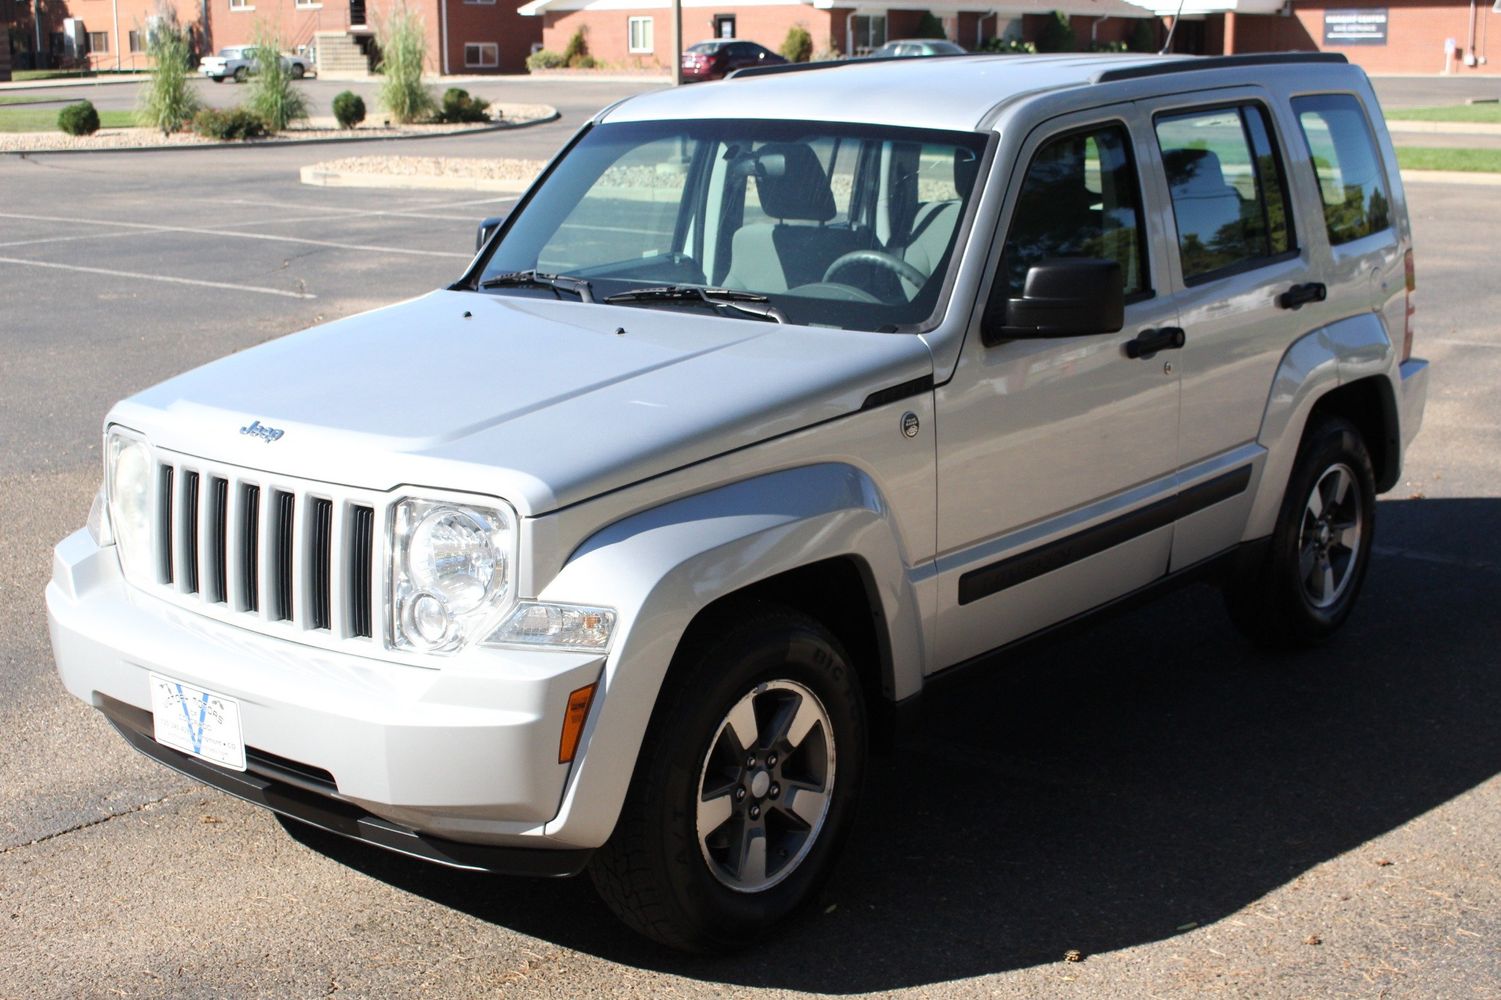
[{"x": 890, "y": 262}]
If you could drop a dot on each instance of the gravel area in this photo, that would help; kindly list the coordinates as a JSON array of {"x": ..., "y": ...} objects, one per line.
[
  {"x": 319, "y": 127},
  {"x": 490, "y": 168}
]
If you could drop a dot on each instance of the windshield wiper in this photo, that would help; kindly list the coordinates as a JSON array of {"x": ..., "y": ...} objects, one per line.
[
  {"x": 749, "y": 303},
  {"x": 540, "y": 279}
]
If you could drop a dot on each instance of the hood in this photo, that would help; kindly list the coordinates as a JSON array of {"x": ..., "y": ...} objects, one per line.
[{"x": 542, "y": 402}]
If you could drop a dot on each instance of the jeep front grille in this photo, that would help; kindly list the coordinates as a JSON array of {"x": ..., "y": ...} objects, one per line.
[{"x": 266, "y": 552}]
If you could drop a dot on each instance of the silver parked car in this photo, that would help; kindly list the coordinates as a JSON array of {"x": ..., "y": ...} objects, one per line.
[
  {"x": 617, "y": 553},
  {"x": 237, "y": 63},
  {"x": 903, "y": 48}
]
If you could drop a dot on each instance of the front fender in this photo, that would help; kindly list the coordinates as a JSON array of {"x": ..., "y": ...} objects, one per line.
[{"x": 660, "y": 568}]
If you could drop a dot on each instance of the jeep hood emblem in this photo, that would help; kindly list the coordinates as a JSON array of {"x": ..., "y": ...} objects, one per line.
[{"x": 260, "y": 430}]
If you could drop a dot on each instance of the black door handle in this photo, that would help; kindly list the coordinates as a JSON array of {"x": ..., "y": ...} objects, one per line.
[
  {"x": 1149, "y": 342},
  {"x": 1300, "y": 295}
]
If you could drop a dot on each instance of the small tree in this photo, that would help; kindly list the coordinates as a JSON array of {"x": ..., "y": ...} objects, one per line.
[
  {"x": 168, "y": 102},
  {"x": 929, "y": 26},
  {"x": 272, "y": 95},
  {"x": 576, "y": 55},
  {"x": 1143, "y": 35},
  {"x": 403, "y": 50},
  {"x": 798, "y": 45}
]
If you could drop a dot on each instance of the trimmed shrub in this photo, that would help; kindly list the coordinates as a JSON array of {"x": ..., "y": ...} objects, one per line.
[
  {"x": 543, "y": 59},
  {"x": 929, "y": 26},
  {"x": 235, "y": 123},
  {"x": 272, "y": 95},
  {"x": 577, "y": 49},
  {"x": 1056, "y": 35},
  {"x": 78, "y": 119},
  {"x": 168, "y": 102},
  {"x": 403, "y": 51},
  {"x": 1144, "y": 36},
  {"x": 458, "y": 106},
  {"x": 1009, "y": 46},
  {"x": 349, "y": 109},
  {"x": 1107, "y": 47},
  {"x": 798, "y": 45}
]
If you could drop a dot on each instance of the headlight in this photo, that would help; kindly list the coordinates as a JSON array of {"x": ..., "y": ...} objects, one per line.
[
  {"x": 128, "y": 484},
  {"x": 452, "y": 572}
]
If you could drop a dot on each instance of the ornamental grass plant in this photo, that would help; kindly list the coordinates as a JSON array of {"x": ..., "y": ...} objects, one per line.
[{"x": 403, "y": 51}]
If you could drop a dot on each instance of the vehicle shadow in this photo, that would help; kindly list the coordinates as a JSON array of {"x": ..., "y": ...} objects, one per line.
[{"x": 1151, "y": 772}]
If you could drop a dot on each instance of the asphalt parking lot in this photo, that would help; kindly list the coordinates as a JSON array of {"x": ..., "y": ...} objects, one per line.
[{"x": 1192, "y": 817}]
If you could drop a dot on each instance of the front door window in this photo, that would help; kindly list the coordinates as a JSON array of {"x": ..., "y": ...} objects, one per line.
[{"x": 867, "y": 32}]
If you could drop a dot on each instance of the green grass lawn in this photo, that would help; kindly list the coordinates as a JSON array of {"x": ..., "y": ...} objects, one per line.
[
  {"x": 49, "y": 74},
  {"x": 25, "y": 100},
  {"x": 1429, "y": 158},
  {"x": 45, "y": 119},
  {"x": 1490, "y": 113}
]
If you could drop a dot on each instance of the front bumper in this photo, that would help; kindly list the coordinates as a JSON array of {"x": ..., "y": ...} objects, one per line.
[{"x": 467, "y": 753}]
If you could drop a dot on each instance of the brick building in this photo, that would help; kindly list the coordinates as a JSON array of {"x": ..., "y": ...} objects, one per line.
[
  {"x": 1406, "y": 36},
  {"x": 464, "y": 36}
]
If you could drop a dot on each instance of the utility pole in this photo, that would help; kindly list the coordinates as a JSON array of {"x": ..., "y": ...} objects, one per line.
[
  {"x": 36, "y": 26},
  {"x": 677, "y": 43}
]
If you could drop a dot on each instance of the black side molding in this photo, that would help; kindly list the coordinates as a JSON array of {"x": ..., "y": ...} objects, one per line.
[
  {"x": 1194, "y": 63},
  {"x": 1009, "y": 572},
  {"x": 890, "y": 394},
  {"x": 333, "y": 814}
]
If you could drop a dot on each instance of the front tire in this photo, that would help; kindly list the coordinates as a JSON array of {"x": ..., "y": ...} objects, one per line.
[
  {"x": 745, "y": 785},
  {"x": 298, "y": 72},
  {"x": 1307, "y": 581}
]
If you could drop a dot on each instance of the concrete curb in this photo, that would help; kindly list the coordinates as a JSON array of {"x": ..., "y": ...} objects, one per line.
[
  {"x": 285, "y": 143},
  {"x": 1475, "y": 178},
  {"x": 315, "y": 175},
  {"x": 88, "y": 81},
  {"x": 1443, "y": 128}
]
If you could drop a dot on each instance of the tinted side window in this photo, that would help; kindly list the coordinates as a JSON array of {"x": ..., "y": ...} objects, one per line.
[
  {"x": 1228, "y": 189},
  {"x": 1080, "y": 198},
  {"x": 1349, "y": 170}
]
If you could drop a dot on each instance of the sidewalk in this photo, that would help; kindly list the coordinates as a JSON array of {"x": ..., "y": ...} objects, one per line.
[{"x": 87, "y": 81}]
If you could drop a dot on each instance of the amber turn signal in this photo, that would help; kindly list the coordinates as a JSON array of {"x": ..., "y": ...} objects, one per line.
[{"x": 573, "y": 722}]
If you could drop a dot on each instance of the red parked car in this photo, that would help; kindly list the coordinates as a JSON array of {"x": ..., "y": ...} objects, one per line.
[{"x": 716, "y": 59}]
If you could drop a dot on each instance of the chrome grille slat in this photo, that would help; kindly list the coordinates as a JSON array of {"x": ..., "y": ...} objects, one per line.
[
  {"x": 278, "y": 555},
  {"x": 284, "y": 558},
  {"x": 190, "y": 520},
  {"x": 361, "y": 567}
]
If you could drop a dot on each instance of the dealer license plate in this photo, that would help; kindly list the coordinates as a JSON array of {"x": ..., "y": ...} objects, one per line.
[{"x": 198, "y": 722}]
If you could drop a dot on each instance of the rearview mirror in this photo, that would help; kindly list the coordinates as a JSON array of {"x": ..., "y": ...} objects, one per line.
[
  {"x": 1069, "y": 297},
  {"x": 486, "y": 228}
]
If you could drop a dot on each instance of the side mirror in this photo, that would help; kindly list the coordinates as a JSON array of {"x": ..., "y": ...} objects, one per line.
[
  {"x": 486, "y": 230},
  {"x": 1070, "y": 297}
]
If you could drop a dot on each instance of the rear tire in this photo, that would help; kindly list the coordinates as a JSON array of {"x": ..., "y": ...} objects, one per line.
[
  {"x": 241, "y": 74},
  {"x": 297, "y": 71},
  {"x": 744, "y": 787},
  {"x": 1307, "y": 581}
]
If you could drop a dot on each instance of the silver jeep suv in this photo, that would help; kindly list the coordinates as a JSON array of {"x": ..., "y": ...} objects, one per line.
[{"x": 619, "y": 552}]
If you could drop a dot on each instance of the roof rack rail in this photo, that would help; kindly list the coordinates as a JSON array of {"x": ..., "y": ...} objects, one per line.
[
  {"x": 747, "y": 71},
  {"x": 1216, "y": 62}
]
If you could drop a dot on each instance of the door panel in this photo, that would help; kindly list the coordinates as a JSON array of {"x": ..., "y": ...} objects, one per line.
[
  {"x": 1041, "y": 442},
  {"x": 1236, "y": 248}
]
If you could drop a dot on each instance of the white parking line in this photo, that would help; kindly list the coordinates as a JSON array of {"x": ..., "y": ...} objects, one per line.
[
  {"x": 63, "y": 239},
  {"x": 1456, "y": 342},
  {"x": 233, "y": 234},
  {"x": 335, "y": 212},
  {"x": 158, "y": 277}
]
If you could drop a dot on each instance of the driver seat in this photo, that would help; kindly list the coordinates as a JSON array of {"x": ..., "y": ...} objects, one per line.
[{"x": 796, "y": 249}]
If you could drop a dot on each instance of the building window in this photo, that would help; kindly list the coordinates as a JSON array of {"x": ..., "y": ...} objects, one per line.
[
  {"x": 724, "y": 25},
  {"x": 308, "y": 4},
  {"x": 98, "y": 41},
  {"x": 481, "y": 55},
  {"x": 640, "y": 34},
  {"x": 240, "y": 5},
  {"x": 867, "y": 32},
  {"x": 133, "y": 40}
]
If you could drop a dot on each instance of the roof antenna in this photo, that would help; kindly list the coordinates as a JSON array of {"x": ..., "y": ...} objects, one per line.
[{"x": 1167, "y": 46}]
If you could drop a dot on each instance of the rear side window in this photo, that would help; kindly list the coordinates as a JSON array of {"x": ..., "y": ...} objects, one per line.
[
  {"x": 1080, "y": 198},
  {"x": 1349, "y": 170},
  {"x": 1228, "y": 190}
]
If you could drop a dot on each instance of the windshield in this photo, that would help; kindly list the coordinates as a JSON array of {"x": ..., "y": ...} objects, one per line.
[{"x": 836, "y": 225}]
